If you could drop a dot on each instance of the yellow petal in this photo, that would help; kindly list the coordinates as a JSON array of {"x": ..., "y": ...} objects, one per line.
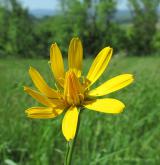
[
  {"x": 69, "y": 123},
  {"x": 39, "y": 97},
  {"x": 112, "y": 85},
  {"x": 105, "y": 105},
  {"x": 75, "y": 56},
  {"x": 99, "y": 64},
  {"x": 43, "y": 112},
  {"x": 41, "y": 84},
  {"x": 57, "y": 65}
]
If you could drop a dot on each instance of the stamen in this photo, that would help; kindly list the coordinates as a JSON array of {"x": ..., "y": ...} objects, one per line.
[{"x": 73, "y": 91}]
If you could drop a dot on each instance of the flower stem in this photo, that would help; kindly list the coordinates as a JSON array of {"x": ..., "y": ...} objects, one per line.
[{"x": 71, "y": 144}]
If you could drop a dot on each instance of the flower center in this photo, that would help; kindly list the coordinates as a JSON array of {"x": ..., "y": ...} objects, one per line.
[{"x": 73, "y": 90}]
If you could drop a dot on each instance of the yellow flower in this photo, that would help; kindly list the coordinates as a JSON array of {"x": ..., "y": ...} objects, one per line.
[{"x": 74, "y": 90}]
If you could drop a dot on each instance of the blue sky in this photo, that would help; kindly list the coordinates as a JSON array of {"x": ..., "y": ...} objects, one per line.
[
  {"x": 53, "y": 4},
  {"x": 40, "y": 4}
]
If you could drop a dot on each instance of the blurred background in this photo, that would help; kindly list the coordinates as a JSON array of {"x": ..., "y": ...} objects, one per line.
[{"x": 132, "y": 28}]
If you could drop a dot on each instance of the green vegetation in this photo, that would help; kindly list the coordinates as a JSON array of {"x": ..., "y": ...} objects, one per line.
[
  {"x": 144, "y": 25},
  {"x": 93, "y": 21},
  {"x": 129, "y": 138}
]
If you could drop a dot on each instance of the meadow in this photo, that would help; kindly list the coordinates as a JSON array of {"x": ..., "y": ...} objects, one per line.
[{"x": 129, "y": 138}]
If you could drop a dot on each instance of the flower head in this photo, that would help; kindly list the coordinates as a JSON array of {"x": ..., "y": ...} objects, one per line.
[{"x": 74, "y": 90}]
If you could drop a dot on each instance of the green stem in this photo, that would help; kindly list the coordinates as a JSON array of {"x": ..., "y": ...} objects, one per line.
[{"x": 71, "y": 144}]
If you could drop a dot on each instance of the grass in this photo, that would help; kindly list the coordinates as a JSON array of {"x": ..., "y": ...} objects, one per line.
[{"x": 129, "y": 138}]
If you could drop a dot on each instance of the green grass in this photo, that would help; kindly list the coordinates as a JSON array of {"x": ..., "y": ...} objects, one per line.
[{"x": 129, "y": 138}]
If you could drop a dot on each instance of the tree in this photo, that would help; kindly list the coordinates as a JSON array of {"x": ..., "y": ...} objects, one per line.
[
  {"x": 20, "y": 33},
  {"x": 145, "y": 18},
  {"x": 4, "y": 26},
  {"x": 110, "y": 32},
  {"x": 3, "y": 29},
  {"x": 92, "y": 21}
]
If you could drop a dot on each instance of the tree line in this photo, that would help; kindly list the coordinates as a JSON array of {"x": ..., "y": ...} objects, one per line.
[{"x": 23, "y": 35}]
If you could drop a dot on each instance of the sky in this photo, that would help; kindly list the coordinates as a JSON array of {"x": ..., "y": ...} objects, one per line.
[
  {"x": 53, "y": 4},
  {"x": 40, "y": 4}
]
